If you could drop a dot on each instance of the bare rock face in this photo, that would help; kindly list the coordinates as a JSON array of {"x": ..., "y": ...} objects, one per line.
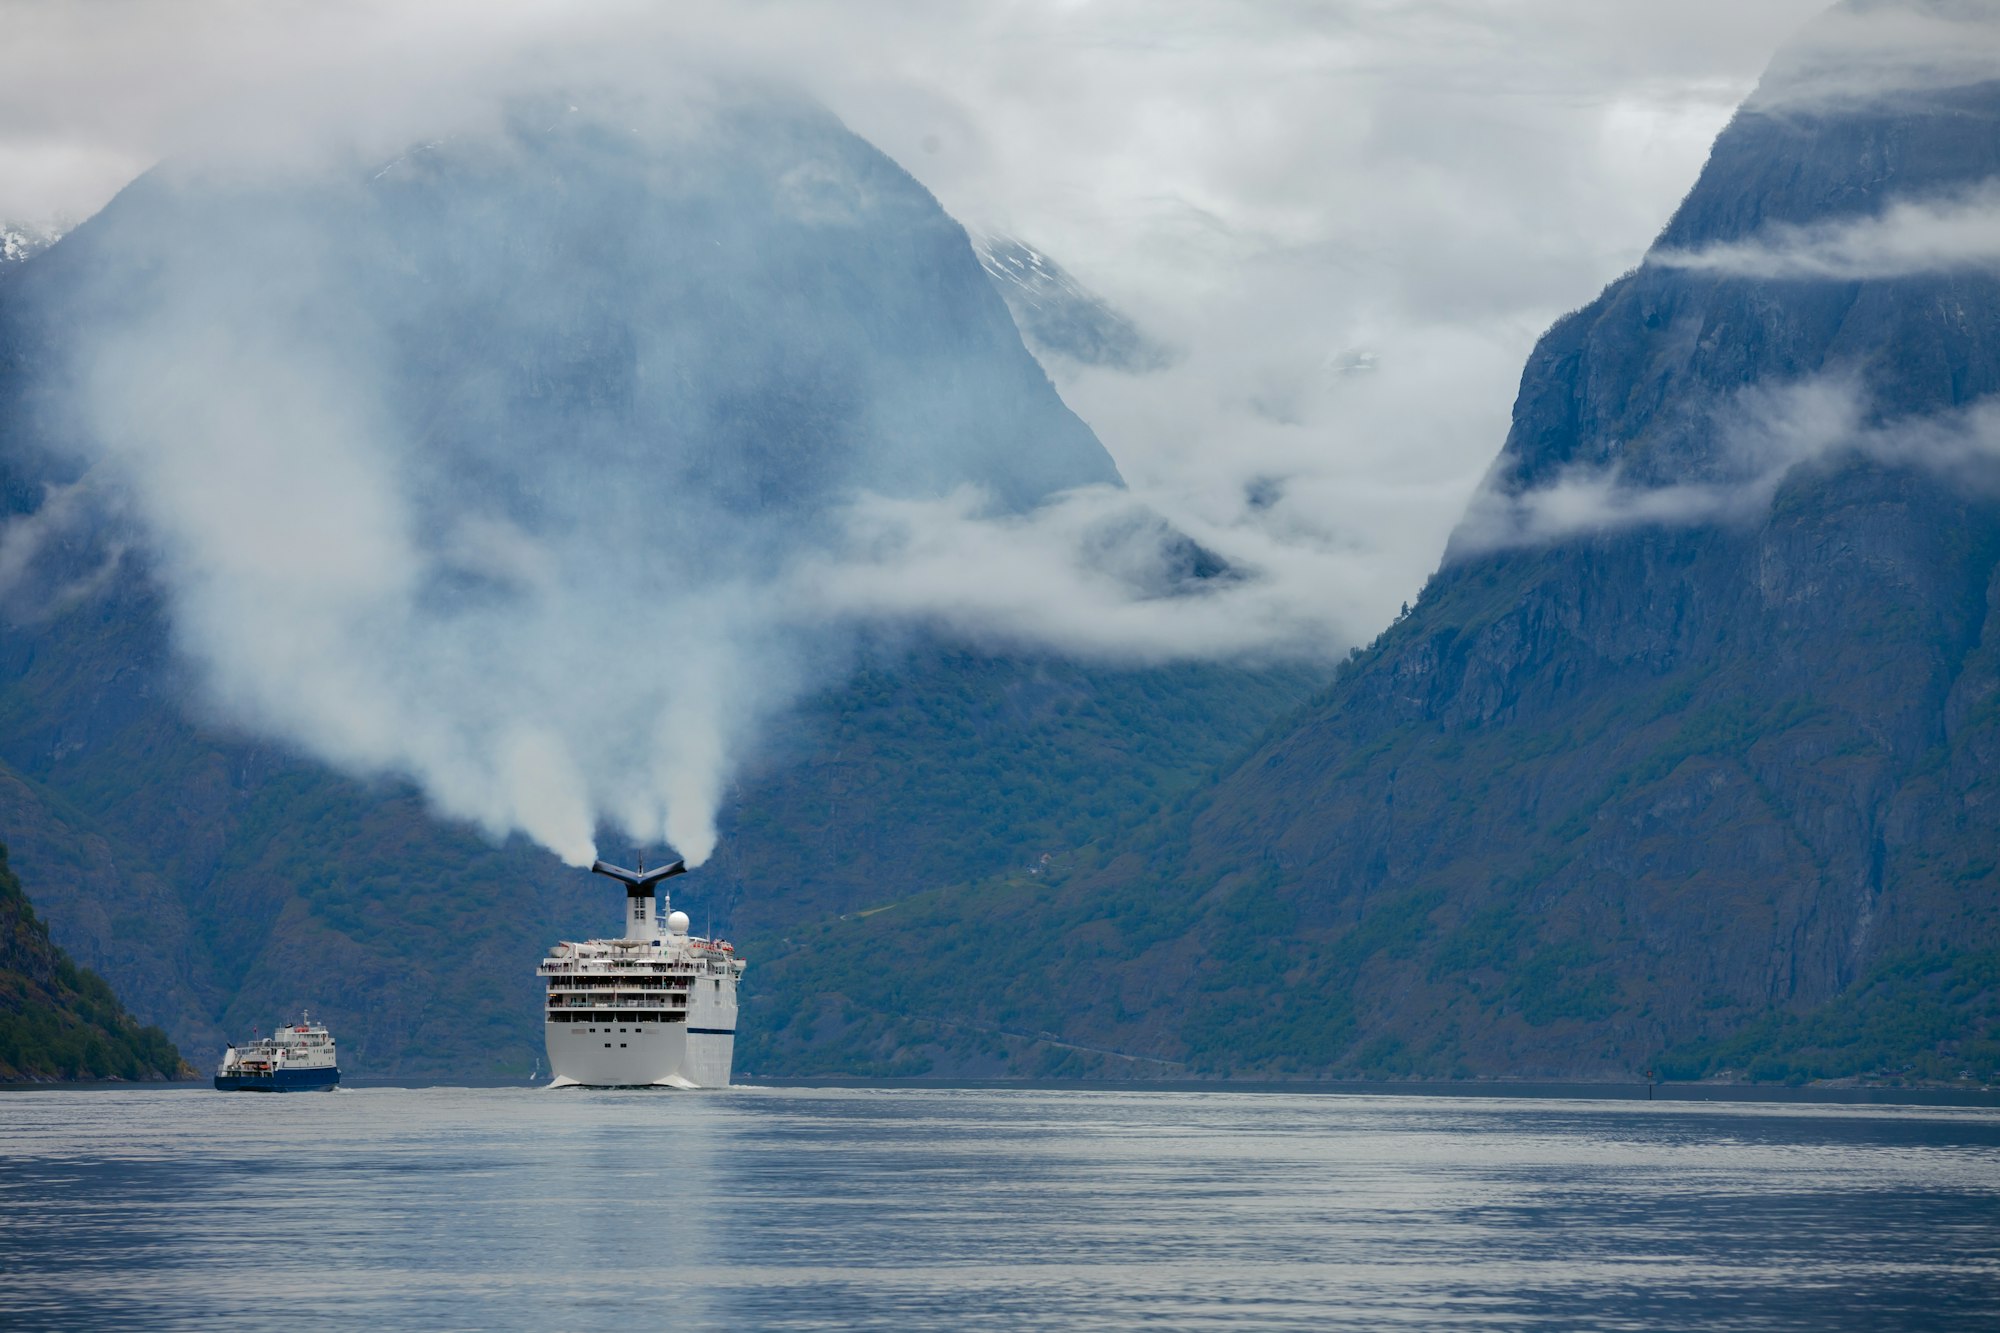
[
  {"x": 1685, "y": 757},
  {"x": 1676, "y": 772}
]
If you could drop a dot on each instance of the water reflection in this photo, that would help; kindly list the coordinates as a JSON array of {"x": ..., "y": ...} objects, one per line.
[{"x": 944, "y": 1209}]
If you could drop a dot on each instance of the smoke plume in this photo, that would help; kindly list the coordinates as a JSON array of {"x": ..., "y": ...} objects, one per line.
[{"x": 500, "y": 464}]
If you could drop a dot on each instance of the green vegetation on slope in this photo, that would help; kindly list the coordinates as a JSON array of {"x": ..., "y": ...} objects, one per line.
[
  {"x": 939, "y": 768},
  {"x": 1567, "y": 886},
  {"x": 60, "y": 1021},
  {"x": 1918, "y": 1017}
]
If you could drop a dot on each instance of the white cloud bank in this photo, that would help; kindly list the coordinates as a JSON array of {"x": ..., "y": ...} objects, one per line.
[
  {"x": 1866, "y": 50},
  {"x": 1765, "y": 432},
  {"x": 1350, "y": 219},
  {"x": 1958, "y": 233},
  {"x": 1094, "y": 574}
]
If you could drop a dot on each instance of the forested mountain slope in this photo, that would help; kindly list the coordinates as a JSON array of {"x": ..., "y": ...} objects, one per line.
[
  {"x": 1685, "y": 757},
  {"x": 59, "y": 1021}
]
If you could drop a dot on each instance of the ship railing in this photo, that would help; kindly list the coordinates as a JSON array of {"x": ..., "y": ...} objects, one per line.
[
  {"x": 621, "y": 975},
  {"x": 627, "y": 1002},
  {"x": 621, "y": 964}
]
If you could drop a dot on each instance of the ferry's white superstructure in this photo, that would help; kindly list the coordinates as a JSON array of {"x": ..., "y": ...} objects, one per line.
[
  {"x": 654, "y": 1009},
  {"x": 299, "y": 1057}
]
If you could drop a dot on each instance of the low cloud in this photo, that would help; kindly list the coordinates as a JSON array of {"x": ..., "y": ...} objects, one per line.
[
  {"x": 1959, "y": 233},
  {"x": 1097, "y": 574},
  {"x": 24, "y": 538},
  {"x": 40, "y": 550},
  {"x": 1586, "y": 502},
  {"x": 1349, "y": 221},
  {"x": 1765, "y": 433},
  {"x": 1869, "y": 50}
]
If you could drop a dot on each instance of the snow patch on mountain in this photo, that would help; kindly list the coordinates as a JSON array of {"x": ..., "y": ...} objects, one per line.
[
  {"x": 1060, "y": 317},
  {"x": 21, "y": 241}
]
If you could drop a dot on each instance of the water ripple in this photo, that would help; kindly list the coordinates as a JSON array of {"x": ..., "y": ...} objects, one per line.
[{"x": 946, "y": 1209}]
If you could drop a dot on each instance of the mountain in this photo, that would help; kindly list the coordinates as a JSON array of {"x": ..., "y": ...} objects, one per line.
[
  {"x": 58, "y": 1021},
  {"x": 1684, "y": 758},
  {"x": 1060, "y": 317},
  {"x": 764, "y": 306},
  {"x": 594, "y": 328},
  {"x": 22, "y": 240}
]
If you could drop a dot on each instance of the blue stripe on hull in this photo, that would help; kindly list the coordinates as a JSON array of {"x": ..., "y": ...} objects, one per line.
[{"x": 284, "y": 1080}]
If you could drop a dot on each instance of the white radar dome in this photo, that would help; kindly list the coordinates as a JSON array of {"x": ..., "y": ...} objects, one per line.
[{"x": 677, "y": 922}]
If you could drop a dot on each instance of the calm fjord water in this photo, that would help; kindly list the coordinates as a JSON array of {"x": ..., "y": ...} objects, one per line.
[{"x": 770, "y": 1208}]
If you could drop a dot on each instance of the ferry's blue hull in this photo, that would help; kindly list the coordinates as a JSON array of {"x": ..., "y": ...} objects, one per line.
[{"x": 283, "y": 1080}]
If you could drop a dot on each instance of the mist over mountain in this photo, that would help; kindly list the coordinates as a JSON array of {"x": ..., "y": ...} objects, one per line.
[
  {"x": 412, "y": 448},
  {"x": 667, "y": 472},
  {"x": 1060, "y": 317},
  {"x": 20, "y": 241},
  {"x": 1684, "y": 758},
  {"x": 366, "y": 513}
]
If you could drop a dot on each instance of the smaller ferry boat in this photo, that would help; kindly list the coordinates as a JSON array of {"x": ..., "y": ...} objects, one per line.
[{"x": 299, "y": 1058}]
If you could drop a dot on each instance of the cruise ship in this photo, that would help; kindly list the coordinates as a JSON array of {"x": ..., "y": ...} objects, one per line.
[
  {"x": 296, "y": 1058},
  {"x": 655, "y": 1009}
]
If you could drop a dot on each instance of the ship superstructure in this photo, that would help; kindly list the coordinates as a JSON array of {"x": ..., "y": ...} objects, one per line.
[
  {"x": 656, "y": 1008},
  {"x": 297, "y": 1058}
]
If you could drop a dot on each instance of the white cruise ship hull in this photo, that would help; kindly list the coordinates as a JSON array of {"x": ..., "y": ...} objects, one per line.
[
  {"x": 637, "y": 1050},
  {"x": 653, "y": 1009}
]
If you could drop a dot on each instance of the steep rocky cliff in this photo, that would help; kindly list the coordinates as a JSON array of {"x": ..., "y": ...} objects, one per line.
[{"x": 1685, "y": 757}]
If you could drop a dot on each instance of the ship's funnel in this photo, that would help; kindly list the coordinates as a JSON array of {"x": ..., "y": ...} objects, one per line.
[{"x": 638, "y": 892}]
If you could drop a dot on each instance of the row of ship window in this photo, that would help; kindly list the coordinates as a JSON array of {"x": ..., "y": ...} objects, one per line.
[
  {"x": 607, "y": 984},
  {"x": 599, "y": 1001},
  {"x": 603, "y": 979},
  {"x": 587, "y": 966},
  {"x": 609, "y": 1003},
  {"x": 662, "y": 1017},
  {"x": 627, "y": 964}
]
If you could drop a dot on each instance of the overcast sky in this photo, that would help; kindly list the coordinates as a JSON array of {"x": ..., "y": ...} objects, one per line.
[{"x": 1350, "y": 220}]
